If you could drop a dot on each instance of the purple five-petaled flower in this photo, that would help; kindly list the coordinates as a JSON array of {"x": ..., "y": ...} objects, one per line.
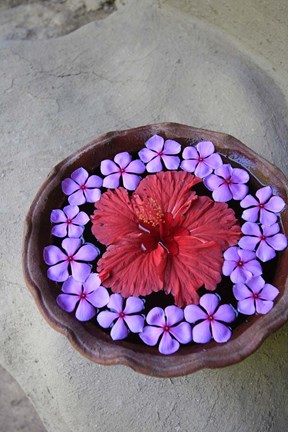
[
  {"x": 122, "y": 317},
  {"x": 267, "y": 240},
  {"x": 81, "y": 188},
  {"x": 163, "y": 323},
  {"x": 75, "y": 253},
  {"x": 86, "y": 295},
  {"x": 68, "y": 221},
  {"x": 240, "y": 264},
  {"x": 255, "y": 296},
  {"x": 201, "y": 160},
  {"x": 263, "y": 208},
  {"x": 157, "y": 151},
  {"x": 209, "y": 319},
  {"x": 227, "y": 183},
  {"x": 124, "y": 167}
]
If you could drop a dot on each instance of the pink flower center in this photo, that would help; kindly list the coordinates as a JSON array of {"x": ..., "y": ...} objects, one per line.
[
  {"x": 228, "y": 181},
  {"x": 82, "y": 296},
  {"x": 121, "y": 314},
  {"x": 210, "y": 318},
  {"x": 240, "y": 263},
  {"x": 160, "y": 153},
  {"x": 255, "y": 296},
  {"x": 263, "y": 237},
  {"x": 200, "y": 159},
  {"x": 69, "y": 221},
  {"x": 261, "y": 206},
  {"x": 122, "y": 170},
  {"x": 70, "y": 258},
  {"x": 166, "y": 328},
  {"x": 83, "y": 187}
]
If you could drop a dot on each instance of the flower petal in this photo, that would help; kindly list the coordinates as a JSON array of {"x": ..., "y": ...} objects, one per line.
[
  {"x": 254, "y": 267},
  {"x": 264, "y": 252},
  {"x": 267, "y": 218},
  {"x": 52, "y": 255},
  {"x": 222, "y": 193},
  {"x": 88, "y": 252},
  {"x": 112, "y": 181},
  {"x": 77, "y": 198},
  {"x": 275, "y": 204},
  {"x": 156, "y": 317},
  {"x": 246, "y": 306},
  {"x": 116, "y": 303},
  {"x": 146, "y": 155},
  {"x": 277, "y": 242},
  {"x": 194, "y": 313},
  {"x": 171, "y": 147},
  {"x": 57, "y": 216},
  {"x": 263, "y": 306},
  {"x": 228, "y": 267},
  {"x": 249, "y": 201},
  {"x": 239, "y": 191},
  {"x": 133, "y": 305},
  {"x": 264, "y": 194},
  {"x": 58, "y": 272},
  {"x": 190, "y": 152},
  {"x": 251, "y": 229},
  {"x": 231, "y": 254},
  {"x": 202, "y": 170},
  {"x": 108, "y": 167},
  {"x": 92, "y": 283},
  {"x": 59, "y": 230},
  {"x": 255, "y": 284},
  {"x": 269, "y": 292},
  {"x": 123, "y": 159},
  {"x": 135, "y": 323},
  {"x": 239, "y": 176},
  {"x": 220, "y": 332},
  {"x": 130, "y": 181},
  {"x": 213, "y": 182},
  {"x": 119, "y": 330},
  {"x": 189, "y": 165},
  {"x": 213, "y": 161},
  {"x": 94, "y": 181},
  {"x": 155, "y": 143},
  {"x": 70, "y": 211},
  {"x": 171, "y": 162},
  {"x": 225, "y": 313},
  {"x": 182, "y": 332},
  {"x": 224, "y": 171},
  {"x": 80, "y": 176},
  {"x": 248, "y": 242},
  {"x": 71, "y": 286},
  {"x": 155, "y": 165},
  {"x": 81, "y": 219},
  {"x": 69, "y": 186},
  {"x": 251, "y": 214},
  {"x": 98, "y": 298},
  {"x": 271, "y": 230},
  {"x": 106, "y": 318},
  {"x": 173, "y": 315},
  {"x": 80, "y": 271},
  {"x": 136, "y": 166},
  {"x": 201, "y": 333},
  {"x": 205, "y": 148},
  {"x": 240, "y": 275},
  {"x": 85, "y": 311},
  {"x": 74, "y": 231},
  {"x": 168, "y": 345},
  {"x": 67, "y": 302},
  {"x": 71, "y": 245},
  {"x": 209, "y": 302},
  {"x": 241, "y": 291},
  {"x": 92, "y": 195},
  {"x": 150, "y": 335}
]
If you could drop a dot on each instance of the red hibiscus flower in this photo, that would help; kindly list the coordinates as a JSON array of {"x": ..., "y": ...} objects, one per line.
[{"x": 163, "y": 236}]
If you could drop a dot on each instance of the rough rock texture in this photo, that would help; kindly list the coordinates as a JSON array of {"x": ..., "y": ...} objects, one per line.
[{"x": 147, "y": 62}]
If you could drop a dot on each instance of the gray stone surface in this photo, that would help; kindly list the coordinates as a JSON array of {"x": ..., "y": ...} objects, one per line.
[{"x": 147, "y": 62}]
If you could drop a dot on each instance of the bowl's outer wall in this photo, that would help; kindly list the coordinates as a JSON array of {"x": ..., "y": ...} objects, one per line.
[{"x": 94, "y": 343}]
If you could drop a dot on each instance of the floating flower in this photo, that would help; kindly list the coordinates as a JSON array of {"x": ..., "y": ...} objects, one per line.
[
  {"x": 123, "y": 318},
  {"x": 86, "y": 295},
  {"x": 68, "y": 221},
  {"x": 265, "y": 208},
  {"x": 163, "y": 323},
  {"x": 124, "y": 167},
  {"x": 227, "y": 183},
  {"x": 255, "y": 296},
  {"x": 157, "y": 151},
  {"x": 200, "y": 160},
  {"x": 163, "y": 237},
  {"x": 210, "y": 318},
  {"x": 240, "y": 264},
  {"x": 267, "y": 240},
  {"x": 61, "y": 262},
  {"x": 81, "y": 188}
]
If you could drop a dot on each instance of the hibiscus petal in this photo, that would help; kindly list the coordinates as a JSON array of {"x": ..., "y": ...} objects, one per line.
[
  {"x": 80, "y": 176},
  {"x": 108, "y": 167},
  {"x": 201, "y": 333},
  {"x": 173, "y": 315},
  {"x": 190, "y": 152},
  {"x": 249, "y": 201},
  {"x": 92, "y": 283},
  {"x": 77, "y": 198},
  {"x": 116, "y": 303},
  {"x": 75, "y": 231},
  {"x": 98, "y": 298},
  {"x": 267, "y": 218},
  {"x": 225, "y": 313},
  {"x": 251, "y": 214},
  {"x": 106, "y": 318},
  {"x": 203, "y": 170},
  {"x": 69, "y": 186},
  {"x": 275, "y": 204},
  {"x": 52, "y": 255},
  {"x": 155, "y": 143},
  {"x": 58, "y": 272},
  {"x": 155, "y": 165},
  {"x": 67, "y": 302},
  {"x": 92, "y": 195},
  {"x": 264, "y": 194},
  {"x": 213, "y": 182},
  {"x": 168, "y": 345},
  {"x": 136, "y": 166},
  {"x": 189, "y": 165},
  {"x": 239, "y": 191},
  {"x": 71, "y": 245},
  {"x": 269, "y": 292},
  {"x": 241, "y": 291},
  {"x": 156, "y": 317},
  {"x": 248, "y": 242},
  {"x": 194, "y": 313},
  {"x": 205, "y": 148},
  {"x": 59, "y": 230},
  {"x": 264, "y": 252},
  {"x": 146, "y": 155},
  {"x": 135, "y": 323},
  {"x": 80, "y": 271},
  {"x": 263, "y": 306},
  {"x": 133, "y": 305},
  {"x": 130, "y": 181},
  {"x": 81, "y": 219},
  {"x": 222, "y": 193},
  {"x": 220, "y": 332},
  {"x": 94, "y": 181},
  {"x": 112, "y": 181},
  {"x": 123, "y": 159},
  {"x": 57, "y": 216},
  {"x": 239, "y": 176},
  {"x": 119, "y": 330},
  {"x": 209, "y": 302},
  {"x": 150, "y": 335},
  {"x": 182, "y": 332},
  {"x": 171, "y": 147},
  {"x": 246, "y": 306},
  {"x": 71, "y": 286},
  {"x": 277, "y": 242},
  {"x": 213, "y": 161},
  {"x": 88, "y": 252},
  {"x": 85, "y": 311}
]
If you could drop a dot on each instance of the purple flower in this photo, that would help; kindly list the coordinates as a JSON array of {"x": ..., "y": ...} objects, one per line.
[
  {"x": 86, "y": 295},
  {"x": 227, "y": 183},
  {"x": 124, "y": 318},
  {"x": 201, "y": 160},
  {"x": 68, "y": 221},
  {"x": 81, "y": 188},
  {"x": 267, "y": 238},
  {"x": 210, "y": 319},
  {"x": 266, "y": 206},
  {"x": 76, "y": 253},
  {"x": 124, "y": 167},
  {"x": 240, "y": 264},
  {"x": 255, "y": 296},
  {"x": 163, "y": 323},
  {"x": 157, "y": 151}
]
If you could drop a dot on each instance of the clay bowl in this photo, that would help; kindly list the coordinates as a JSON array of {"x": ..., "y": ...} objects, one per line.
[{"x": 95, "y": 343}]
